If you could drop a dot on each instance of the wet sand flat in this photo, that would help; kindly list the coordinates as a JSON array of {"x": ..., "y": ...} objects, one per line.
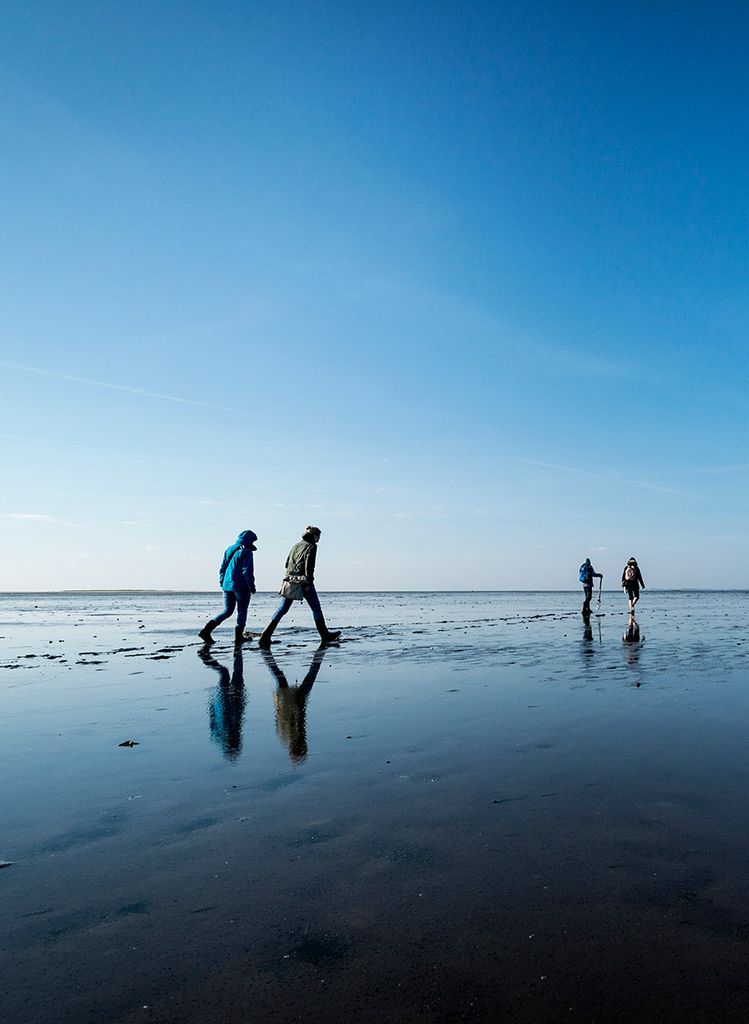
[{"x": 476, "y": 807}]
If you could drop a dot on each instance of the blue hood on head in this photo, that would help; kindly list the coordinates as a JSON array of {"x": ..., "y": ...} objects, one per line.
[{"x": 237, "y": 570}]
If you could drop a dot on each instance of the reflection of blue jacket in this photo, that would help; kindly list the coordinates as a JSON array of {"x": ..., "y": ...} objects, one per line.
[{"x": 237, "y": 570}]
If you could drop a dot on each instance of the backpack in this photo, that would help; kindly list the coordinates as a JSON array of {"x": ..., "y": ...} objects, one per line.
[
  {"x": 586, "y": 573},
  {"x": 630, "y": 574}
]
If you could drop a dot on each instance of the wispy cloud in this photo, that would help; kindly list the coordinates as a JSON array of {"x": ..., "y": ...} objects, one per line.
[
  {"x": 75, "y": 556},
  {"x": 557, "y": 467},
  {"x": 646, "y": 485},
  {"x": 142, "y": 392},
  {"x": 476, "y": 324},
  {"x": 736, "y": 467},
  {"x": 36, "y": 517},
  {"x": 421, "y": 514},
  {"x": 54, "y": 442}
]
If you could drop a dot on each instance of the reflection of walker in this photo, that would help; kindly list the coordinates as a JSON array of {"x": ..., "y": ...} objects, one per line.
[
  {"x": 632, "y": 641},
  {"x": 226, "y": 706},
  {"x": 291, "y": 705},
  {"x": 632, "y": 636}
]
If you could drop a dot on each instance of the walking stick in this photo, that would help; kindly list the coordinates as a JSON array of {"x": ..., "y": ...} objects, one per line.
[{"x": 598, "y": 603}]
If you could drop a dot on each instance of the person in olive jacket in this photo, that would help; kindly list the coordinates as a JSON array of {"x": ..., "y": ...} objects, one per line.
[
  {"x": 236, "y": 578},
  {"x": 300, "y": 565}
]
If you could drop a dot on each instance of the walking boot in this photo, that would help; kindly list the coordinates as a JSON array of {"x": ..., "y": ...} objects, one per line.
[
  {"x": 238, "y": 636},
  {"x": 205, "y": 633},
  {"x": 264, "y": 641},
  {"x": 326, "y": 635}
]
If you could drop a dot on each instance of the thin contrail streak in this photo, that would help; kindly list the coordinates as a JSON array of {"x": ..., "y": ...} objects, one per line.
[
  {"x": 114, "y": 387},
  {"x": 645, "y": 484}
]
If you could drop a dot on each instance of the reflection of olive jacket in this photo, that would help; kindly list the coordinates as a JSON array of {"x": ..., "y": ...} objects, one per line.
[
  {"x": 291, "y": 724},
  {"x": 301, "y": 560}
]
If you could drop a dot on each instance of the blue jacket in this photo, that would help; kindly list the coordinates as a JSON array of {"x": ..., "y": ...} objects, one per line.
[{"x": 237, "y": 570}]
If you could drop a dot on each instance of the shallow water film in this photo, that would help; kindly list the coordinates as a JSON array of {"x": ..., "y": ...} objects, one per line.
[{"x": 476, "y": 807}]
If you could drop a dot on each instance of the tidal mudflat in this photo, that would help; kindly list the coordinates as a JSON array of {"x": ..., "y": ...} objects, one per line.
[{"x": 475, "y": 808}]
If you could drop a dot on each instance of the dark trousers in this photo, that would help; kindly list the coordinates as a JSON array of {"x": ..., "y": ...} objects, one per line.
[
  {"x": 239, "y": 599},
  {"x": 310, "y": 596}
]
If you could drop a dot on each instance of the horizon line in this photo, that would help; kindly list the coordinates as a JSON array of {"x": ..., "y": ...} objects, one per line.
[{"x": 513, "y": 590}]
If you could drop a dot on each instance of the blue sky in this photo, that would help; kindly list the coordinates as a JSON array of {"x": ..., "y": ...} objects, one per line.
[{"x": 463, "y": 284}]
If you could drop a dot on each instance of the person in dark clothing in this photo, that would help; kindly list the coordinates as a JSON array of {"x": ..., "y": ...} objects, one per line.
[
  {"x": 632, "y": 581},
  {"x": 587, "y": 572},
  {"x": 236, "y": 578},
  {"x": 299, "y": 584}
]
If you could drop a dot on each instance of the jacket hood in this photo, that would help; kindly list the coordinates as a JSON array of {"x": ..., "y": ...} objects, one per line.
[{"x": 247, "y": 539}]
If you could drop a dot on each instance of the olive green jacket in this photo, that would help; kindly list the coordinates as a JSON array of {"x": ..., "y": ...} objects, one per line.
[{"x": 301, "y": 560}]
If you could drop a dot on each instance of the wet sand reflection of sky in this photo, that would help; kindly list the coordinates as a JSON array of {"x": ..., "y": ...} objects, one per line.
[{"x": 490, "y": 785}]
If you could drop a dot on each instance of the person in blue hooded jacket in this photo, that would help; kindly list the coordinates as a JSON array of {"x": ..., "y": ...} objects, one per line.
[
  {"x": 587, "y": 572},
  {"x": 236, "y": 578}
]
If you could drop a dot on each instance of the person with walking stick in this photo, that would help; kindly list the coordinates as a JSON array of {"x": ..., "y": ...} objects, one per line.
[{"x": 587, "y": 574}]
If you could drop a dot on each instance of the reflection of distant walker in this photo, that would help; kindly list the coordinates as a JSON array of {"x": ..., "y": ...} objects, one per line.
[
  {"x": 632, "y": 636},
  {"x": 632, "y": 641}
]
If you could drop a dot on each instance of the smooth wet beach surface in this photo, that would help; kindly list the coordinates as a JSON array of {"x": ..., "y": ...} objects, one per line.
[{"x": 475, "y": 808}]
